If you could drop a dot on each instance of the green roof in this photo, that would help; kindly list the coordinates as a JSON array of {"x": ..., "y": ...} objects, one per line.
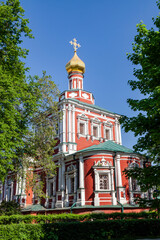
[
  {"x": 33, "y": 208},
  {"x": 107, "y": 146}
]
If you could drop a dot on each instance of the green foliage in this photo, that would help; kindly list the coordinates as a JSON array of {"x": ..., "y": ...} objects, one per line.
[
  {"x": 41, "y": 139},
  {"x": 146, "y": 124},
  {"x": 12, "y": 26},
  {"x": 17, "y": 100},
  {"x": 9, "y": 208},
  {"x": 113, "y": 229},
  {"x": 53, "y": 218},
  {"x": 146, "y": 58},
  {"x": 27, "y": 131}
]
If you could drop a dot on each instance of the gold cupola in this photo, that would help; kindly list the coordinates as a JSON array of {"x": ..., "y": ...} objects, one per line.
[{"x": 75, "y": 64}]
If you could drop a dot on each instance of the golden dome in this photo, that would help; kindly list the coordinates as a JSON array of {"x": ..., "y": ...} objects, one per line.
[{"x": 75, "y": 64}]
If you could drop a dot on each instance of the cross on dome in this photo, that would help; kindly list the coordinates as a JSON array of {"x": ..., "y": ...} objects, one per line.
[{"x": 75, "y": 44}]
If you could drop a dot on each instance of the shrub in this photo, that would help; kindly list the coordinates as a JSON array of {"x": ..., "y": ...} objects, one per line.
[
  {"x": 97, "y": 230},
  {"x": 54, "y": 218},
  {"x": 9, "y": 208}
]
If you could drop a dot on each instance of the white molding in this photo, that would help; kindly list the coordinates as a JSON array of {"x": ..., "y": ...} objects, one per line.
[{"x": 94, "y": 115}]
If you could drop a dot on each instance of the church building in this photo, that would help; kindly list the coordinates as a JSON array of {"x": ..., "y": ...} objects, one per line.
[{"x": 90, "y": 156}]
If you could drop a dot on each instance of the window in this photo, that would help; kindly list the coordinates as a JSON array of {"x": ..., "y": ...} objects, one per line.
[
  {"x": 135, "y": 186},
  {"x": 50, "y": 189},
  {"x": 107, "y": 134},
  {"x": 82, "y": 128},
  {"x": 95, "y": 131},
  {"x": 104, "y": 182},
  {"x": 72, "y": 185}
]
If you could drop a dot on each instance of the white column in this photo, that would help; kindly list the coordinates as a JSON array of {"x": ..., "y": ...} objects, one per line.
[
  {"x": 116, "y": 130},
  {"x": 67, "y": 185},
  {"x": 75, "y": 186},
  {"x": 64, "y": 123},
  {"x": 61, "y": 126},
  {"x": 63, "y": 175},
  {"x": 130, "y": 192},
  {"x": 69, "y": 123},
  {"x": 96, "y": 197},
  {"x": 120, "y": 137},
  {"x": 11, "y": 191},
  {"x": 46, "y": 202},
  {"x": 5, "y": 190},
  {"x": 114, "y": 200},
  {"x": 81, "y": 172},
  {"x": 63, "y": 181},
  {"x": 59, "y": 176},
  {"x": 73, "y": 123},
  {"x": 119, "y": 175},
  {"x": 81, "y": 180},
  {"x": 112, "y": 183}
]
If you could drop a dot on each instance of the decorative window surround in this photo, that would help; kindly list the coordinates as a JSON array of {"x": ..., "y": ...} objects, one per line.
[
  {"x": 50, "y": 191},
  {"x": 99, "y": 173},
  {"x": 133, "y": 186},
  {"x": 95, "y": 126},
  {"x": 83, "y": 120},
  {"x": 107, "y": 126},
  {"x": 102, "y": 168},
  {"x": 71, "y": 183},
  {"x": 52, "y": 187}
]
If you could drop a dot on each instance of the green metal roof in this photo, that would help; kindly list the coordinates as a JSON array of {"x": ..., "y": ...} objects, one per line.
[
  {"x": 34, "y": 208},
  {"x": 107, "y": 146}
]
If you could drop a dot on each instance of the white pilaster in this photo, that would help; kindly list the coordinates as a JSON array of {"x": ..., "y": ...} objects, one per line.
[
  {"x": 46, "y": 202},
  {"x": 116, "y": 130},
  {"x": 59, "y": 176},
  {"x": 96, "y": 197},
  {"x": 73, "y": 123},
  {"x": 119, "y": 175},
  {"x": 81, "y": 180},
  {"x": 114, "y": 200},
  {"x": 120, "y": 137},
  {"x": 64, "y": 123},
  {"x": 66, "y": 195},
  {"x": 69, "y": 123}
]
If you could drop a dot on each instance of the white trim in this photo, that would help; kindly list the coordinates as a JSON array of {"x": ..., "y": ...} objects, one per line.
[
  {"x": 97, "y": 179},
  {"x": 95, "y": 122},
  {"x": 82, "y": 119},
  {"x": 95, "y": 115},
  {"x": 73, "y": 123}
]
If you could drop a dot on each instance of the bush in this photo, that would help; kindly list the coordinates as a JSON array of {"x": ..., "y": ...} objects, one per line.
[
  {"x": 53, "y": 218},
  {"x": 9, "y": 208},
  {"x": 97, "y": 230}
]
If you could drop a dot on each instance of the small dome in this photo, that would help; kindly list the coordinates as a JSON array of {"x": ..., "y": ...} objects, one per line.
[{"x": 75, "y": 64}]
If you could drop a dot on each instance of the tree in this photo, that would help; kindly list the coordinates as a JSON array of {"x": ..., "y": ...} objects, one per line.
[
  {"x": 146, "y": 124},
  {"x": 42, "y": 137},
  {"x": 26, "y": 104},
  {"x": 16, "y": 95},
  {"x": 9, "y": 208}
]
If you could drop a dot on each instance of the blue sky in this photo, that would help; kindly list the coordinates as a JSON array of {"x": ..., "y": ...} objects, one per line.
[{"x": 105, "y": 30}]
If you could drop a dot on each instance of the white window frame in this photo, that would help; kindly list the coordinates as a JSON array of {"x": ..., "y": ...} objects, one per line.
[
  {"x": 83, "y": 119},
  {"x": 69, "y": 187},
  {"x": 95, "y": 122},
  {"x": 108, "y": 126},
  {"x": 52, "y": 180},
  {"x": 133, "y": 165},
  {"x": 71, "y": 173},
  {"x": 97, "y": 179}
]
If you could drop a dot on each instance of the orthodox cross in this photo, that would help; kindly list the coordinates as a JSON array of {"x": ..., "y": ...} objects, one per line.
[{"x": 75, "y": 44}]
